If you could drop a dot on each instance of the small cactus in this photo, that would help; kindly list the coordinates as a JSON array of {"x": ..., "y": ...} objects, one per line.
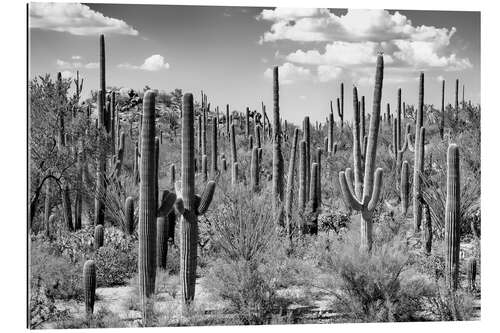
[
  {"x": 129, "y": 215},
  {"x": 405, "y": 188},
  {"x": 89, "y": 285},
  {"x": 471, "y": 274},
  {"x": 98, "y": 236}
]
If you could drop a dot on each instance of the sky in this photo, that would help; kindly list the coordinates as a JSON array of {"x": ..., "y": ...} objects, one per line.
[{"x": 229, "y": 52}]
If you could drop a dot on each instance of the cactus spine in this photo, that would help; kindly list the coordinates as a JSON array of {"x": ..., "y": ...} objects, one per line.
[
  {"x": 147, "y": 203},
  {"x": 452, "y": 217},
  {"x": 89, "y": 285},
  {"x": 372, "y": 179},
  {"x": 277, "y": 155},
  {"x": 289, "y": 183}
]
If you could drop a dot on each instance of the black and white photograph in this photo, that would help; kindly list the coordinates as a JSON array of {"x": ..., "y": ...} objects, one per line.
[{"x": 215, "y": 165}]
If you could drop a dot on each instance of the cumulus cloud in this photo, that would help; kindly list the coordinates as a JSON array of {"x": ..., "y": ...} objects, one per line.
[
  {"x": 354, "y": 39},
  {"x": 76, "y": 57},
  {"x": 328, "y": 73},
  {"x": 76, "y": 19},
  {"x": 67, "y": 74},
  {"x": 76, "y": 64},
  {"x": 154, "y": 63},
  {"x": 290, "y": 73}
]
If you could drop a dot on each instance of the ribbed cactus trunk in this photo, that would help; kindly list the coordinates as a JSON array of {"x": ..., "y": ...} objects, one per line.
[
  {"x": 247, "y": 122},
  {"x": 427, "y": 234},
  {"x": 60, "y": 114},
  {"x": 98, "y": 236},
  {"x": 147, "y": 204},
  {"x": 204, "y": 168},
  {"x": 362, "y": 125},
  {"x": 89, "y": 285},
  {"x": 234, "y": 173},
  {"x": 157, "y": 170},
  {"x": 188, "y": 220},
  {"x": 228, "y": 123},
  {"x": 330, "y": 129},
  {"x": 313, "y": 199},
  {"x": 456, "y": 100},
  {"x": 204, "y": 133},
  {"x": 161, "y": 242},
  {"x": 372, "y": 185},
  {"x": 277, "y": 155},
  {"x": 200, "y": 135},
  {"x": 66, "y": 205},
  {"x": 234, "y": 157},
  {"x": 255, "y": 170},
  {"x": 419, "y": 158},
  {"x": 340, "y": 106},
  {"x": 471, "y": 274},
  {"x": 452, "y": 218},
  {"x": 306, "y": 129},
  {"x": 405, "y": 188},
  {"x": 215, "y": 155},
  {"x": 302, "y": 180},
  {"x": 129, "y": 215},
  {"x": 258, "y": 139},
  {"x": 356, "y": 147},
  {"x": 290, "y": 183},
  {"x": 441, "y": 124},
  {"x": 319, "y": 153},
  {"x": 398, "y": 119}
]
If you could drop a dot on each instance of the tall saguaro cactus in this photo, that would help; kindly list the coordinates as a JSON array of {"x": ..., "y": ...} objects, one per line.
[
  {"x": 129, "y": 215},
  {"x": 306, "y": 129},
  {"x": 340, "y": 106},
  {"x": 419, "y": 156},
  {"x": 405, "y": 188},
  {"x": 147, "y": 203},
  {"x": 456, "y": 100},
  {"x": 331, "y": 124},
  {"x": 452, "y": 217},
  {"x": 289, "y": 183},
  {"x": 102, "y": 66},
  {"x": 255, "y": 170},
  {"x": 302, "y": 178},
  {"x": 441, "y": 123},
  {"x": 215, "y": 154},
  {"x": 277, "y": 155},
  {"x": 188, "y": 206},
  {"x": 372, "y": 183}
]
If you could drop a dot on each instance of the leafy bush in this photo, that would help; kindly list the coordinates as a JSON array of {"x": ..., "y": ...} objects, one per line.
[{"x": 102, "y": 318}]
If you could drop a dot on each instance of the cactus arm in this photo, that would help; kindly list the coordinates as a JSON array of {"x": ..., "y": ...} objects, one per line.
[
  {"x": 411, "y": 146},
  {"x": 350, "y": 179},
  {"x": 167, "y": 200},
  {"x": 206, "y": 198},
  {"x": 348, "y": 194},
  {"x": 377, "y": 189}
]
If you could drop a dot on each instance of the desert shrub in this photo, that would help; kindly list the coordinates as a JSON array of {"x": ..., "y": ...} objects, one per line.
[
  {"x": 335, "y": 220},
  {"x": 116, "y": 261},
  {"x": 249, "y": 268},
  {"x": 102, "y": 318},
  {"x": 375, "y": 287},
  {"x": 42, "y": 305},
  {"x": 59, "y": 276}
]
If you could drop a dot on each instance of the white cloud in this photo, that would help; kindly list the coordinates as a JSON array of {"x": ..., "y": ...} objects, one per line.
[
  {"x": 289, "y": 73},
  {"x": 76, "y": 57},
  {"x": 67, "y": 74},
  {"x": 76, "y": 65},
  {"x": 154, "y": 63},
  {"x": 328, "y": 73},
  {"x": 76, "y": 19},
  {"x": 302, "y": 97},
  {"x": 439, "y": 78},
  {"x": 355, "y": 38}
]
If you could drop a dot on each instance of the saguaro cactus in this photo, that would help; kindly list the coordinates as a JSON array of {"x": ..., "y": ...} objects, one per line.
[
  {"x": 255, "y": 170},
  {"x": 471, "y": 274},
  {"x": 306, "y": 128},
  {"x": 186, "y": 199},
  {"x": 372, "y": 184},
  {"x": 129, "y": 215},
  {"x": 89, "y": 285},
  {"x": 277, "y": 155},
  {"x": 234, "y": 157},
  {"x": 405, "y": 188},
  {"x": 147, "y": 203},
  {"x": 313, "y": 200},
  {"x": 302, "y": 178},
  {"x": 319, "y": 152},
  {"x": 204, "y": 168},
  {"x": 419, "y": 157},
  {"x": 161, "y": 242},
  {"x": 247, "y": 122},
  {"x": 258, "y": 136},
  {"x": 228, "y": 122},
  {"x": 66, "y": 203},
  {"x": 456, "y": 100},
  {"x": 289, "y": 183},
  {"x": 102, "y": 66},
  {"x": 340, "y": 106},
  {"x": 331, "y": 124},
  {"x": 441, "y": 123},
  {"x": 215, "y": 155},
  {"x": 98, "y": 236},
  {"x": 452, "y": 217},
  {"x": 427, "y": 235},
  {"x": 234, "y": 173}
]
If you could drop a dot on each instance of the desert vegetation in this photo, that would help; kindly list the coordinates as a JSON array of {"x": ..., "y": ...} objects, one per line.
[{"x": 150, "y": 209}]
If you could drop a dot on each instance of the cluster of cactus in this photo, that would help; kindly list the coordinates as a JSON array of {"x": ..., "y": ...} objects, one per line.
[{"x": 364, "y": 196}]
